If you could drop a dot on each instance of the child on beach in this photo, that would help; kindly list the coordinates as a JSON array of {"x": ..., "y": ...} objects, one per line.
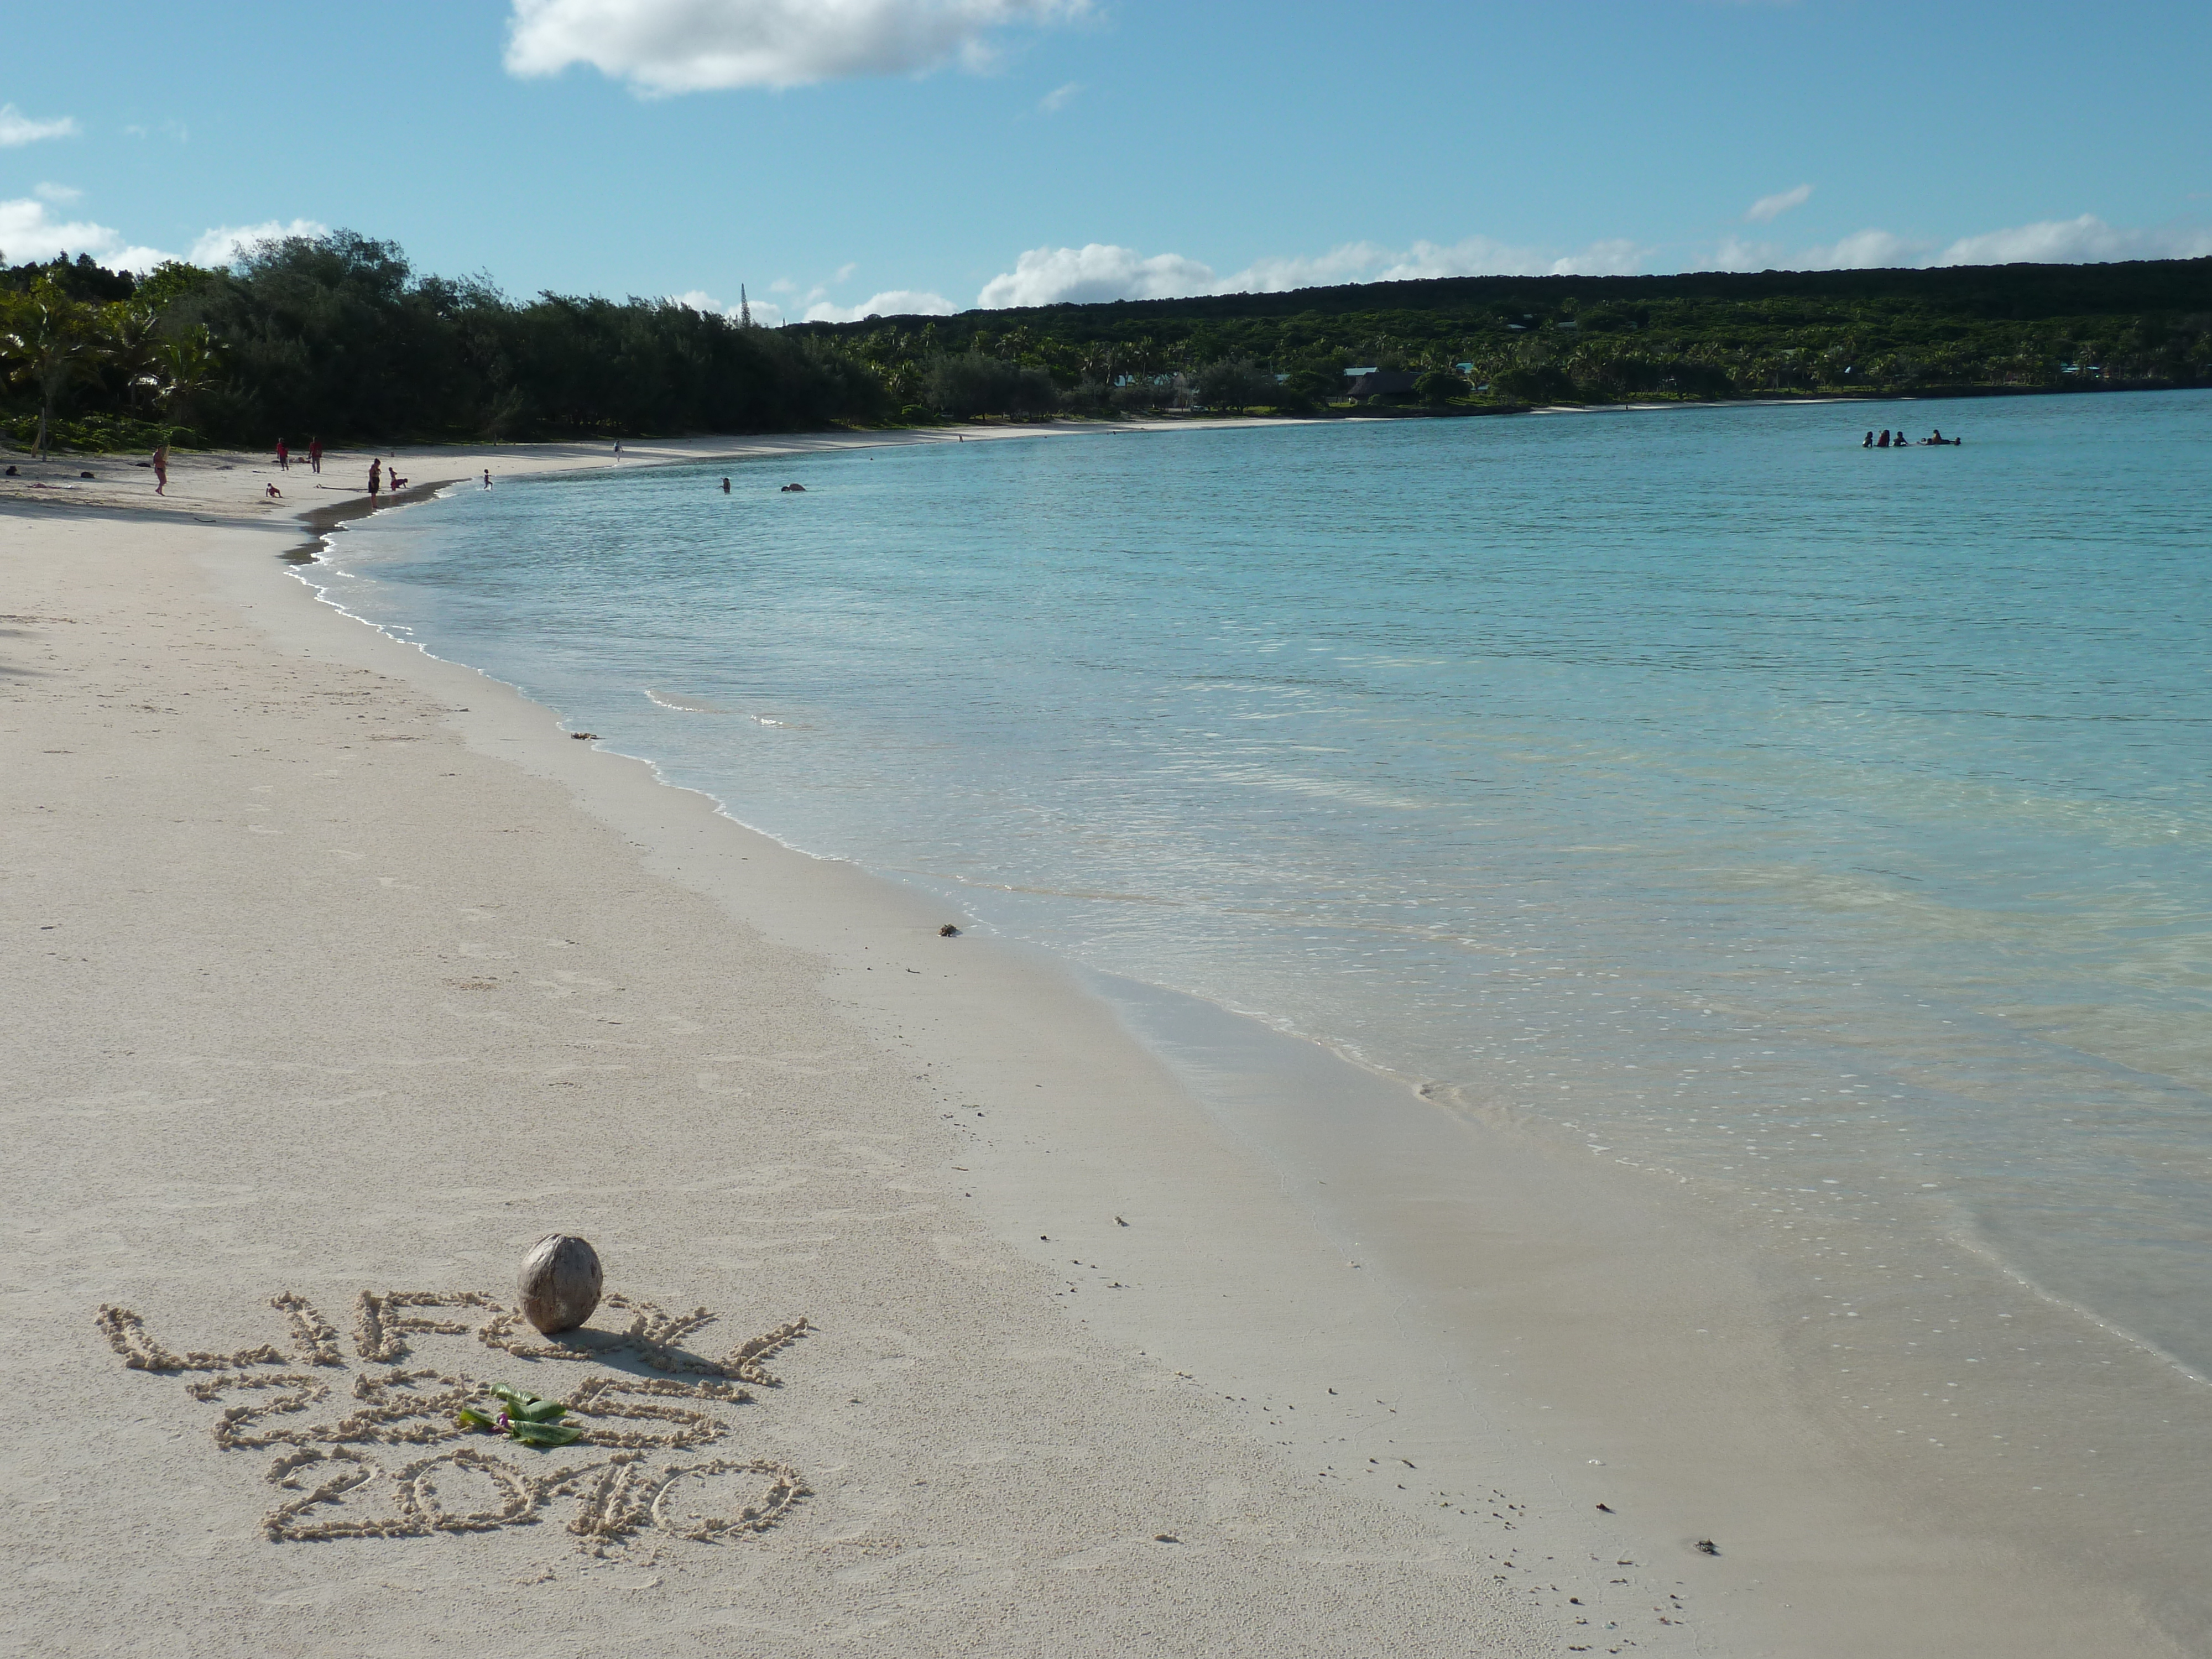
[
  {"x": 375, "y": 478},
  {"x": 162, "y": 468}
]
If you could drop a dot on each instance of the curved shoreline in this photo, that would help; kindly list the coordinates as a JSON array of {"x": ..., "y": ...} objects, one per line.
[
  {"x": 1731, "y": 1422},
  {"x": 1525, "y": 1333}
]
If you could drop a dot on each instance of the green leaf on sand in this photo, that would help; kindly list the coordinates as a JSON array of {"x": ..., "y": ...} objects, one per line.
[
  {"x": 544, "y": 1435},
  {"x": 527, "y": 1418}
]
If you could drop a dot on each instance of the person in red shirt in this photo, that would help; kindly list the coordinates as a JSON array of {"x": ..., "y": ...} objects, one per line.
[
  {"x": 283, "y": 457},
  {"x": 315, "y": 454}
]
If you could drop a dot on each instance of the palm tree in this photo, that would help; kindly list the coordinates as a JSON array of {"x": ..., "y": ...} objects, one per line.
[
  {"x": 133, "y": 348},
  {"x": 187, "y": 364},
  {"x": 49, "y": 340}
]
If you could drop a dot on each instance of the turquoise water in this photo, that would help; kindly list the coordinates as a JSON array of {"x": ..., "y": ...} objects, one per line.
[{"x": 1827, "y": 827}]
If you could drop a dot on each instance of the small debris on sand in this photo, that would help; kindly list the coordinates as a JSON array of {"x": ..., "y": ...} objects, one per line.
[
  {"x": 584, "y": 737},
  {"x": 948, "y": 932},
  {"x": 1706, "y": 1546}
]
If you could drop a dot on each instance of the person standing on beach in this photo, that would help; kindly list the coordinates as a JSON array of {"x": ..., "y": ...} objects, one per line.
[
  {"x": 487, "y": 478},
  {"x": 283, "y": 457},
  {"x": 162, "y": 467},
  {"x": 315, "y": 454},
  {"x": 375, "y": 479}
]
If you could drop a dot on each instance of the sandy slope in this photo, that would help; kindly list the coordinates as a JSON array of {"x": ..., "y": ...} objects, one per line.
[{"x": 308, "y": 994}]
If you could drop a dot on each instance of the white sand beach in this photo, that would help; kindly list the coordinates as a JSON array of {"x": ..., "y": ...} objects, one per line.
[{"x": 338, "y": 970}]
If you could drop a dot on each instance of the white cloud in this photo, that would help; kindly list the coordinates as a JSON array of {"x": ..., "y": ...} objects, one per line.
[
  {"x": 2085, "y": 241},
  {"x": 1864, "y": 250},
  {"x": 1059, "y": 98},
  {"x": 222, "y": 246},
  {"x": 1736, "y": 255},
  {"x": 664, "y": 47},
  {"x": 893, "y": 302},
  {"x": 1100, "y": 271},
  {"x": 1474, "y": 256},
  {"x": 28, "y": 232},
  {"x": 1062, "y": 276},
  {"x": 57, "y": 194},
  {"x": 1056, "y": 276},
  {"x": 17, "y": 127},
  {"x": 1767, "y": 208},
  {"x": 766, "y": 313}
]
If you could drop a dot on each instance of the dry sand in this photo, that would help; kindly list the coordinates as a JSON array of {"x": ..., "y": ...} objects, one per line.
[{"x": 337, "y": 968}]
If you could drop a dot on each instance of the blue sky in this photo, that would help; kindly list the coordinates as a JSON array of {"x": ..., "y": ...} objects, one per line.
[{"x": 842, "y": 155}]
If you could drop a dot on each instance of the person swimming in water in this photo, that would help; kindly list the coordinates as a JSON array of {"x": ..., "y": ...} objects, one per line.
[
  {"x": 1869, "y": 444},
  {"x": 725, "y": 486},
  {"x": 1884, "y": 442}
]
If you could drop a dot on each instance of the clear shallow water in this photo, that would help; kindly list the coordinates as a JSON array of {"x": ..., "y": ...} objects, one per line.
[{"x": 1829, "y": 827}]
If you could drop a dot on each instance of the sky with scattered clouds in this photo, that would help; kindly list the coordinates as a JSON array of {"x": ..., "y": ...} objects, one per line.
[{"x": 840, "y": 158}]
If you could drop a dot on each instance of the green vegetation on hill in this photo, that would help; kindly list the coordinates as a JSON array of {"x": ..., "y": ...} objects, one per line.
[
  {"x": 1609, "y": 338},
  {"x": 337, "y": 336}
]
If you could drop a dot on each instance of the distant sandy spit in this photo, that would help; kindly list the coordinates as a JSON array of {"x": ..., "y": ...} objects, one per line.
[{"x": 943, "y": 1319}]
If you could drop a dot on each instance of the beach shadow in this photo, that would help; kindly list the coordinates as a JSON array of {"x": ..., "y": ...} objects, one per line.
[
  {"x": 12, "y": 631},
  {"x": 321, "y": 520},
  {"x": 615, "y": 1353}
]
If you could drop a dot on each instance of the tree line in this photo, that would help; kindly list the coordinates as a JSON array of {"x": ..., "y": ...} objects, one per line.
[
  {"x": 338, "y": 336},
  {"x": 1598, "y": 339}
]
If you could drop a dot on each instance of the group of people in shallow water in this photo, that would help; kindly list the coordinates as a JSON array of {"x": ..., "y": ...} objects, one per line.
[
  {"x": 1901, "y": 442},
  {"x": 380, "y": 481}
]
